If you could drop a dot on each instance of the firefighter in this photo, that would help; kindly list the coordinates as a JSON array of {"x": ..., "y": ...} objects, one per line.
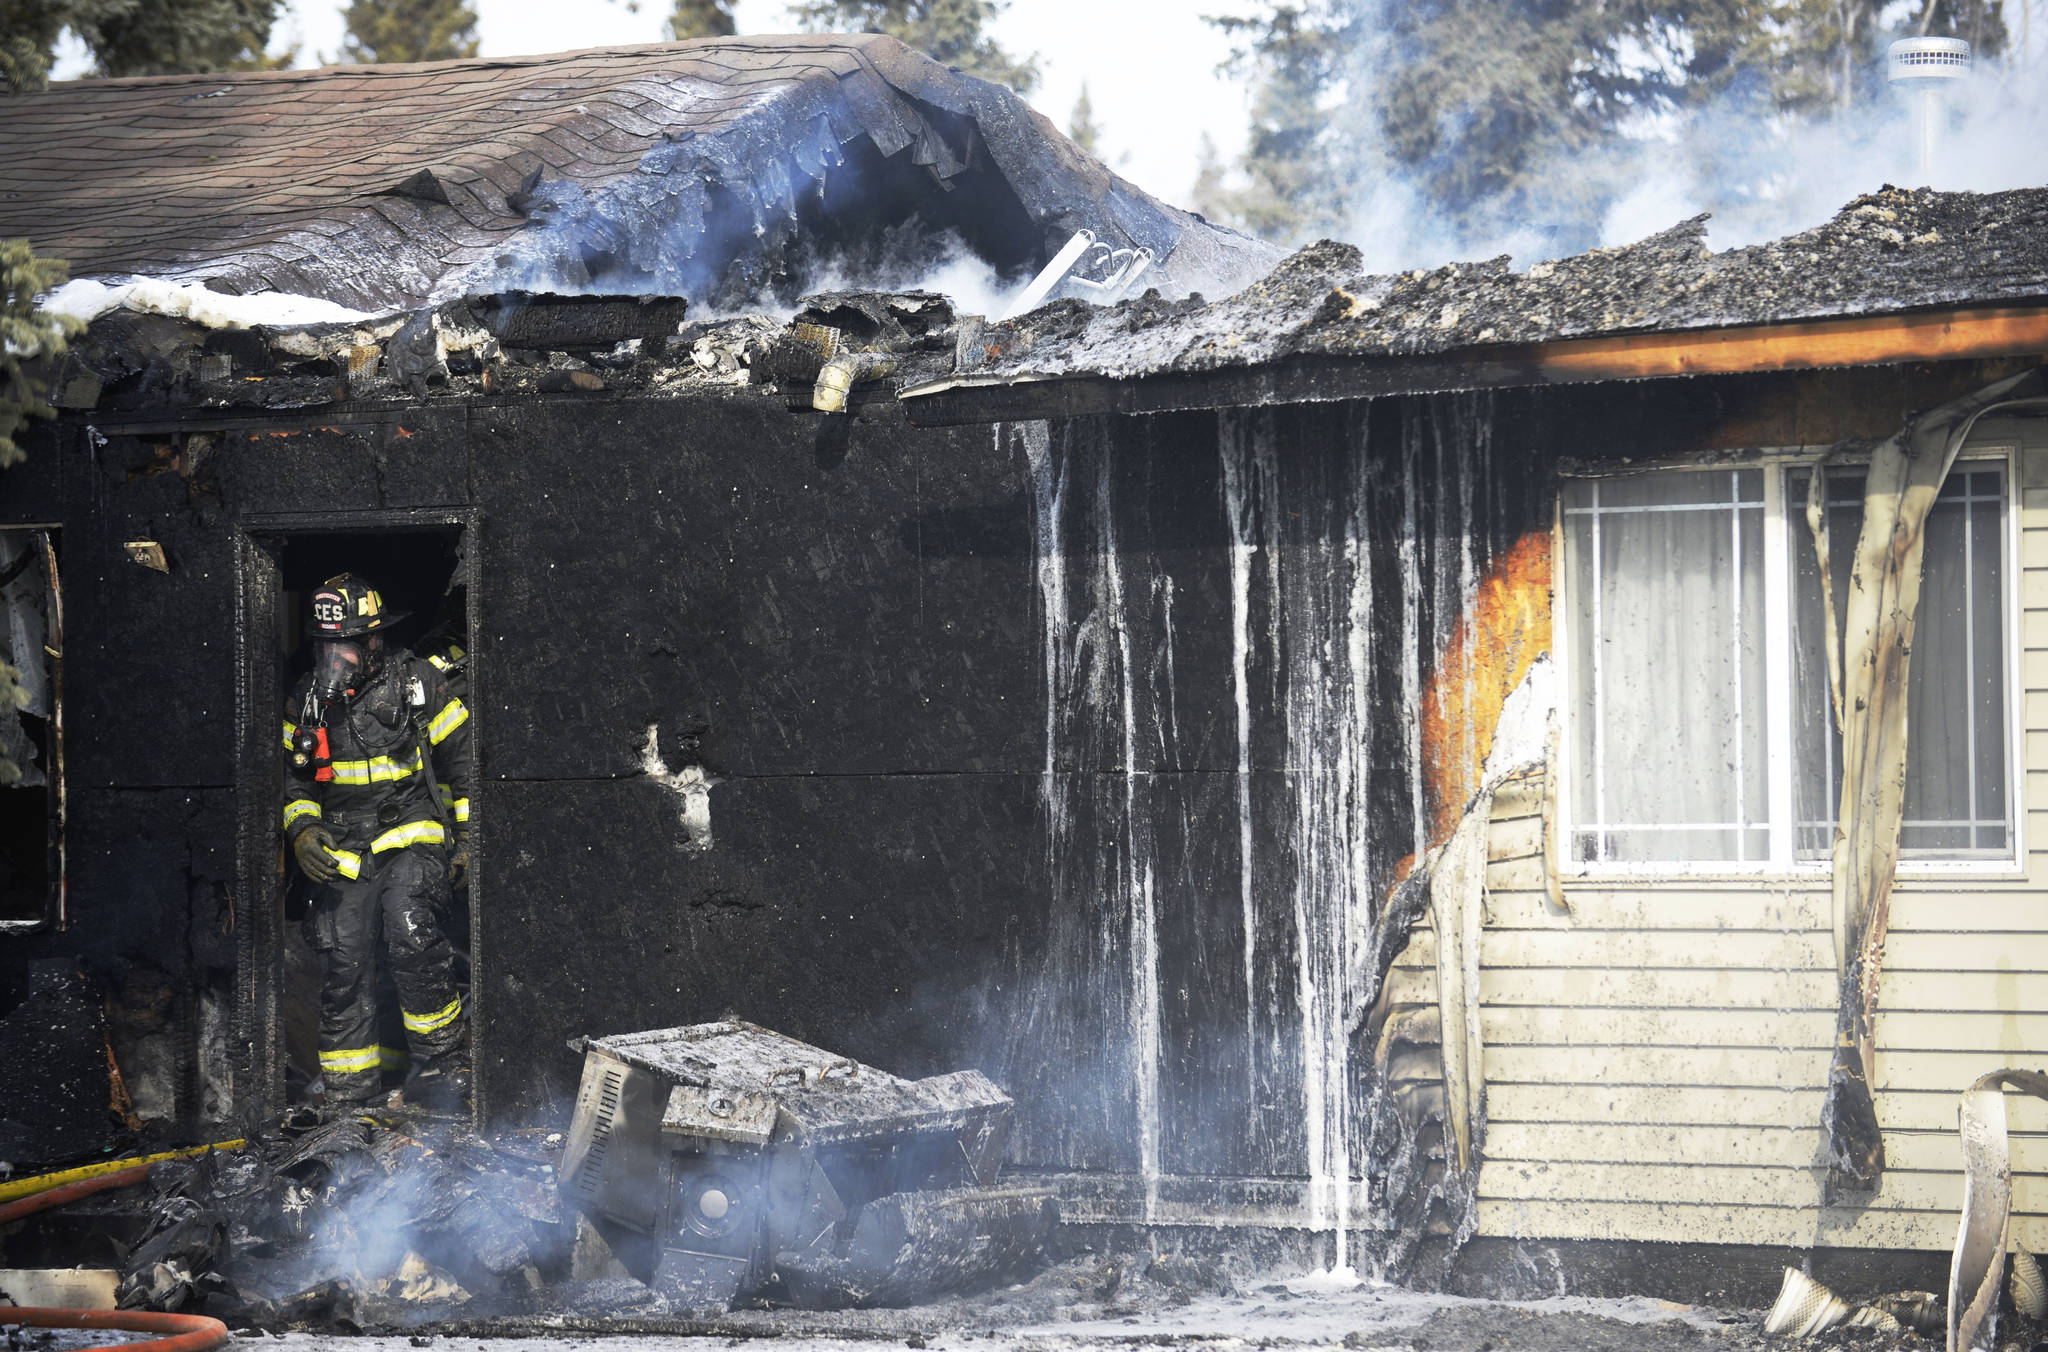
[{"x": 369, "y": 732}]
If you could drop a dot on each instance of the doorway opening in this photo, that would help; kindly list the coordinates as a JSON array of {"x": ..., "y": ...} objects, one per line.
[{"x": 423, "y": 572}]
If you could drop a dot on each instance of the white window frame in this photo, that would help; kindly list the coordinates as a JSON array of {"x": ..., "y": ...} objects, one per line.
[{"x": 1778, "y": 463}]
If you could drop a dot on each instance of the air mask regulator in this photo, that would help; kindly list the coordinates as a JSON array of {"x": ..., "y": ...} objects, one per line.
[{"x": 337, "y": 666}]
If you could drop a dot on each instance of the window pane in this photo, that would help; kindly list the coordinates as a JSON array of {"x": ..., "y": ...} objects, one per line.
[
  {"x": 1956, "y": 774},
  {"x": 1665, "y": 578}
]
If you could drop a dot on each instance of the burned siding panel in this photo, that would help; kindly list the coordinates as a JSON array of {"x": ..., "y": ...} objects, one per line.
[
  {"x": 33, "y": 490},
  {"x": 871, "y": 913},
  {"x": 754, "y": 580},
  {"x": 1327, "y": 568},
  {"x": 1662, "y": 1027},
  {"x": 149, "y": 675},
  {"x": 832, "y": 618},
  {"x": 326, "y": 466},
  {"x": 153, "y": 913}
]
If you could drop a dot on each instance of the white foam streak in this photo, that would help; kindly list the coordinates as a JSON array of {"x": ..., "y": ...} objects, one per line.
[
  {"x": 1296, "y": 521},
  {"x": 1236, "y": 511},
  {"x": 1138, "y": 882}
]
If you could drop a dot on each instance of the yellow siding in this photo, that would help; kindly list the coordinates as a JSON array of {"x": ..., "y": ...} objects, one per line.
[{"x": 1656, "y": 1060}]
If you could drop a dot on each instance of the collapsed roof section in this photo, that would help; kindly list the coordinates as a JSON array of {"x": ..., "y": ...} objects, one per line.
[
  {"x": 733, "y": 171},
  {"x": 1897, "y": 275}
]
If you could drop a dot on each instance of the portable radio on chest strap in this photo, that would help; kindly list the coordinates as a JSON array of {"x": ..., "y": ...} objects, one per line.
[{"x": 311, "y": 756}]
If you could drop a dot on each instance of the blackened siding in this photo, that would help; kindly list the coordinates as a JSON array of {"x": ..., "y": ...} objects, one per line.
[{"x": 834, "y": 619}]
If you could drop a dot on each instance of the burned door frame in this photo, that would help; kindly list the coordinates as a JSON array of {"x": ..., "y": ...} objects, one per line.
[
  {"x": 258, "y": 1035},
  {"x": 56, "y": 913}
]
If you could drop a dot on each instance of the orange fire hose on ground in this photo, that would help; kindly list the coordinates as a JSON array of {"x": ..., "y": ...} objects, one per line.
[
  {"x": 71, "y": 1192},
  {"x": 22, "y": 1187},
  {"x": 175, "y": 1332}
]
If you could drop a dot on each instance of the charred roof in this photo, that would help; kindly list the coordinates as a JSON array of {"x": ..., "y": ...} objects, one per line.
[
  {"x": 1891, "y": 252},
  {"x": 721, "y": 169}
]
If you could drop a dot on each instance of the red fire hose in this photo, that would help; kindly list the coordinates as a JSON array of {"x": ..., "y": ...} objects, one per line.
[
  {"x": 177, "y": 1332},
  {"x": 26, "y": 1196},
  {"x": 71, "y": 1192}
]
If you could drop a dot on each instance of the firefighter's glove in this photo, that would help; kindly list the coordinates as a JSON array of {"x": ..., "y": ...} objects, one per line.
[
  {"x": 458, "y": 860},
  {"x": 314, "y": 849}
]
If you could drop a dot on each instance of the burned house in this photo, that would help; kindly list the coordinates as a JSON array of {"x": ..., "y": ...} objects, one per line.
[{"x": 1357, "y": 759}]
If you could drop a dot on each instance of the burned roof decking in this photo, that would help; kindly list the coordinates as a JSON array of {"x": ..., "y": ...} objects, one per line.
[
  {"x": 376, "y": 186},
  {"x": 1320, "y": 326}
]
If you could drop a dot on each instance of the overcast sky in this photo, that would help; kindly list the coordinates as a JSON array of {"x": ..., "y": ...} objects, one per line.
[{"x": 1150, "y": 65}]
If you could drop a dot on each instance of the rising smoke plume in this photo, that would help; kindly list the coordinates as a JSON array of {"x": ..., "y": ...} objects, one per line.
[{"x": 1760, "y": 171}]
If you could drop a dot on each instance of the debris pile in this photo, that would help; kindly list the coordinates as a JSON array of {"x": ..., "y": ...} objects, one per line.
[
  {"x": 368, "y": 1219},
  {"x": 723, "y": 1161},
  {"x": 1806, "y": 1309},
  {"x": 842, "y": 351},
  {"x": 1888, "y": 251},
  {"x": 705, "y": 1166}
]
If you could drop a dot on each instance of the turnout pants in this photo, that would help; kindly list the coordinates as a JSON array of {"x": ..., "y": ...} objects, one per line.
[{"x": 395, "y": 896}]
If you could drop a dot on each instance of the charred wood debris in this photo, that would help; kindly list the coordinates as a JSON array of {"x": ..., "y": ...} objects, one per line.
[
  {"x": 704, "y": 1171},
  {"x": 514, "y": 345},
  {"x": 857, "y": 351}
]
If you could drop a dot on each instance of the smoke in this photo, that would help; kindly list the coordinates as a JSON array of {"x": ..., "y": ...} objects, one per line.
[
  {"x": 1759, "y": 172},
  {"x": 1766, "y": 176},
  {"x": 902, "y": 259}
]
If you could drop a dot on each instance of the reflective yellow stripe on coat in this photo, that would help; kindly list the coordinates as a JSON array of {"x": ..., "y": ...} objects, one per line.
[
  {"x": 291, "y": 730},
  {"x": 452, "y": 716},
  {"x": 381, "y": 770},
  {"x": 349, "y": 865},
  {"x": 434, "y": 1022},
  {"x": 300, "y": 807}
]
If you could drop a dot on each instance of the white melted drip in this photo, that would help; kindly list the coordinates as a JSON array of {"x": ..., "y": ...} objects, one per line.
[{"x": 1309, "y": 870}]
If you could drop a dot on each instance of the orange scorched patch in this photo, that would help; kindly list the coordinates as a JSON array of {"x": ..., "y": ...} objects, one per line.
[{"x": 1506, "y": 629}]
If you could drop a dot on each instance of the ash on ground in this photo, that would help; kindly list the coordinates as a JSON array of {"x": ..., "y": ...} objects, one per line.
[{"x": 1092, "y": 1301}]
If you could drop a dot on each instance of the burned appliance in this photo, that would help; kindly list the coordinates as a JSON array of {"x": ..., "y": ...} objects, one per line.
[{"x": 757, "y": 1164}]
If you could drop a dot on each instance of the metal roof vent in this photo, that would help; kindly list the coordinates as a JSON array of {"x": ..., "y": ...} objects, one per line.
[{"x": 1923, "y": 69}]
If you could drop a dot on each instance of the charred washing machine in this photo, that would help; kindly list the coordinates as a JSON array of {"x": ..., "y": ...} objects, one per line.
[{"x": 757, "y": 1165}]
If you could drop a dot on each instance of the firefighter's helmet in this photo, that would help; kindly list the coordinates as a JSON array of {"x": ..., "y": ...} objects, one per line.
[{"x": 347, "y": 607}]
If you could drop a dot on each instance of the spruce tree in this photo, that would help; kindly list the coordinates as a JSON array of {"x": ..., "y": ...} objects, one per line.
[
  {"x": 135, "y": 37},
  {"x": 26, "y": 335},
  {"x": 28, "y": 35},
  {"x": 1082, "y": 128},
  {"x": 1211, "y": 196},
  {"x": 953, "y": 32},
  {"x": 701, "y": 19},
  {"x": 383, "y": 32}
]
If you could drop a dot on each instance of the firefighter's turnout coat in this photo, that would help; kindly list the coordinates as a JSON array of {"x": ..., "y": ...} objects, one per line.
[{"x": 388, "y": 747}]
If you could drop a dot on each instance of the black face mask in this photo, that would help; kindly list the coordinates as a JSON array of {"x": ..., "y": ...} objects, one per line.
[{"x": 342, "y": 666}]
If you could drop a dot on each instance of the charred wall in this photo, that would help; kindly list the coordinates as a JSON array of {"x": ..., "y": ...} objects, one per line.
[
  {"x": 832, "y": 619},
  {"x": 149, "y": 717},
  {"x": 1240, "y": 614},
  {"x": 1061, "y": 750}
]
